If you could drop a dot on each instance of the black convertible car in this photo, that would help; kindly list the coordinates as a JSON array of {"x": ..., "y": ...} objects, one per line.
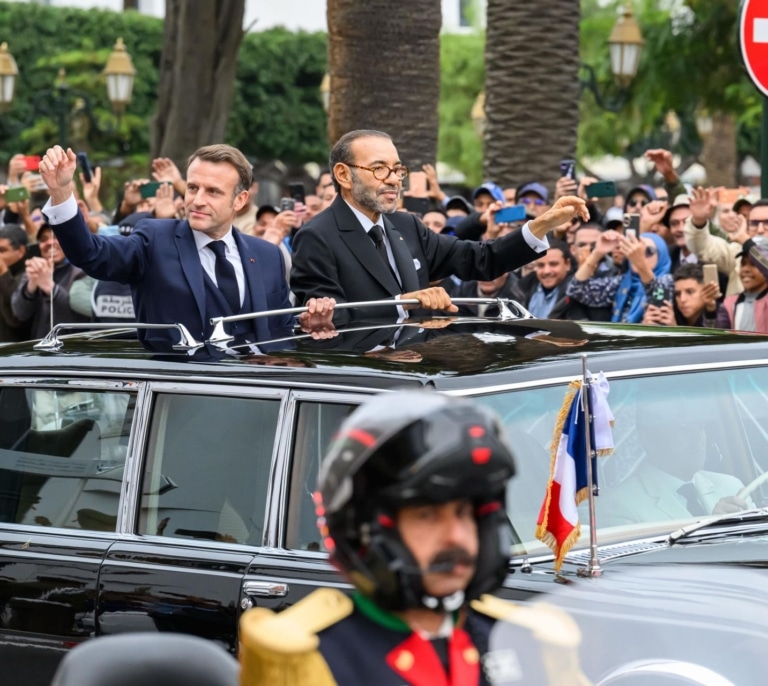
[{"x": 144, "y": 492}]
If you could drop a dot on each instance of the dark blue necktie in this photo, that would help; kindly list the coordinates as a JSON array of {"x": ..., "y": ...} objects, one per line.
[{"x": 225, "y": 276}]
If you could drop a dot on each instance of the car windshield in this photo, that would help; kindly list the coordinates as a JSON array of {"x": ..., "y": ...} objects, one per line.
[{"x": 708, "y": 429}]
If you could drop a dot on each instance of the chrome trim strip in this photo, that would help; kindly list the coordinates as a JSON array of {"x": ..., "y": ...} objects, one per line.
[
  {"x": 256, "y": 383},
  {"x": 131, "y": 488},
  {"x": 32, "y": 531},
  {"x": 624, "y": 373},
  {"x": 186, "y": 543},
  {"x": 277, "y": 473},
  {"x": 58, "y": 382},
  {"x": 283, "y": 465}
]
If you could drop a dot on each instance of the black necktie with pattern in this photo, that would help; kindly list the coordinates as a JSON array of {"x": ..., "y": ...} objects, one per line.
[
  {"x": 225, "y": 276},
  {"x": 376, "y": 234}
]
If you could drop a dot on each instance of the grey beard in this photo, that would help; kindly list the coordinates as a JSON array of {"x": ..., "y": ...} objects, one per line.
[{"x": 365, "y": 197}]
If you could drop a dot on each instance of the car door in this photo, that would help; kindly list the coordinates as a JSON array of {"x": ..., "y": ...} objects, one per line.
[
  {"x": 295, "y": 562},
  {"x": 197, "y": 512},
  {"x": 63, "y": 448}
]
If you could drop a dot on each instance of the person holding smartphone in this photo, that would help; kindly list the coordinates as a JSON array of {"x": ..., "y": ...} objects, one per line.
[
  {"x": 695, "y": 298},
  {"x": 362, "y": 248},
  {"x": 186, "y": 271},
  {"x": 747, "y": 311},
  {"x": 626, "y": 294}
]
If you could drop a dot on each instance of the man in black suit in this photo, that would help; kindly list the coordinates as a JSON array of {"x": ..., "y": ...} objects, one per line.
[
  {"x": 360, "y": 248},
  {"x": 185, "y": 271}
]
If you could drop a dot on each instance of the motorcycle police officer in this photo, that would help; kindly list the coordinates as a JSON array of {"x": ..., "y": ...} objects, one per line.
[{"x": 411, "y": 506}]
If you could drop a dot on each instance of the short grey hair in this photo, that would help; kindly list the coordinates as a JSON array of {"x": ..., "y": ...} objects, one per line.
[{"x": 342, "y": 151}]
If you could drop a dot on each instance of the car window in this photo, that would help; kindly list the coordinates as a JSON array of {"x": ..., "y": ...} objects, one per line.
[
  {"x": 316, "y": 424},
  {"x": 709, "y": 429},
  {"x": 62, "y": 456},
  {"x": 207, "y": 468}
]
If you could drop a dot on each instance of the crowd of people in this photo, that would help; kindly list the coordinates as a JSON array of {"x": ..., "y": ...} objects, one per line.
[{"x": 640, "y": 257}]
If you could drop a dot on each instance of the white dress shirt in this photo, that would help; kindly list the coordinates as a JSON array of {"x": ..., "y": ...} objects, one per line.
[
  {"x": 208, "y": 258},
  {"x": 58, "y": 214}
]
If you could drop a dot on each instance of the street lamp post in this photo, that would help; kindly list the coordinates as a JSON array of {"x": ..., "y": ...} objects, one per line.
[
  {"x": 626, "y": 47},
  {"x": 477, "y": 114},
  {"x": 120, "y": 74},
  {"x": 62, "y": 101},
  {"x": 325, "y": 92},
  {"x": 8, "y": 73}
]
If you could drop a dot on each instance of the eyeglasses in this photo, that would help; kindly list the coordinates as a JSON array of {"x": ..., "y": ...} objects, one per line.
[
  {"x": 634, "y": 202},
  {"x": 591, "y": 246},
  {"x": 650, "y": 251},
  {"x": 755, "y": 223},
  {"x": 381, "y": 172},
  {"x": 532, "y": 201}
]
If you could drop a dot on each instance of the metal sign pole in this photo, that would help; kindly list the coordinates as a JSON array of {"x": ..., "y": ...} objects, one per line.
[
  {"x": 593, "y": 566},
  {"x": 764, "y": 152}
]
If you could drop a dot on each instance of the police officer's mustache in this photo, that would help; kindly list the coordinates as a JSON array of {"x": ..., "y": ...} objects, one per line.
[{"x": 447, "y": 560}]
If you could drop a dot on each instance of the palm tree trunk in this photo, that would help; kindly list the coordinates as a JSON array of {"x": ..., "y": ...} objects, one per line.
[
  {"x": 531, "y": 89},
  {"x": 384, "y": 64},
  {"x": 718, "y": 154}
]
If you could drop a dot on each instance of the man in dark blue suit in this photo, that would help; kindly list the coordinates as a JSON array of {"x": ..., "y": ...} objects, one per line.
[{"x": 185, "y": 271}]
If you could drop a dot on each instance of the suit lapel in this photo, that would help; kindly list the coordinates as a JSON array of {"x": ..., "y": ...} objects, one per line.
[
  {"x": 403, "y": 258},
  {"x": 191, "y": 266},
  {"x": 253, "y": 279},
  {"x": 665, "y": 495},
  {"x": 361, "y": 246}
]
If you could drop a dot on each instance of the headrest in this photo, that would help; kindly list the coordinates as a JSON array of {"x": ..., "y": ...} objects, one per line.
[{"x": 149, "y": 659}]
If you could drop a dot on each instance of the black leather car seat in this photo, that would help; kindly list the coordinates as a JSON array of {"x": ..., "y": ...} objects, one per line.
[{"x": 148, "y": 659}]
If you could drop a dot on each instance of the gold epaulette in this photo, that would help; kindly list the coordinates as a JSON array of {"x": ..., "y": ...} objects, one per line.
[
  {"x": 555, "y": 630},
  {"x": 279, "y": 649}
]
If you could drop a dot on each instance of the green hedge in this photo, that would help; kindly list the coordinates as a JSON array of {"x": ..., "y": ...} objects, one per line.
[{"x": 276, "y": 112}]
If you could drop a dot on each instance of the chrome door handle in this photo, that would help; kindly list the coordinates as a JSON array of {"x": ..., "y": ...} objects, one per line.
[{"x": 265, "y": 589}]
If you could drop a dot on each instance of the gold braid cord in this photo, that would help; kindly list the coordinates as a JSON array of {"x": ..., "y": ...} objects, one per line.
[
  {"x": 282, "y": 649},
  {"x": 555, "y": 631}
]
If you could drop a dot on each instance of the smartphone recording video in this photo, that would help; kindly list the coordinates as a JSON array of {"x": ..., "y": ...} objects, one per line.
[
  {"x": 710, "y": 273},
  {"x": 85, "y": 166},
  {"x": 659, "y": 295},
  {"x": 631, "y": 223},
  {"x": 418, "y": 206},
  {"x": 601, "y": 189},
  {"x": 32, "y": 162},
  {"x": 149, "y": 190},
  {"x": 297, "y": 192},
  {"x": 515, "y": 213},
  {"x": 568, "y": 169},
  {"x": 16, "y": 194}
]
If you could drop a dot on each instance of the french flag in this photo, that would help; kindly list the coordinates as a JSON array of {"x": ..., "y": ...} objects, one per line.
[{"x": 558, "y": 524}]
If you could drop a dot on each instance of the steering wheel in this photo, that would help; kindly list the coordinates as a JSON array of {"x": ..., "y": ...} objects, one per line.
[
  {"x": 752, "y": 486},
  {"x": 655, "y": 672}
]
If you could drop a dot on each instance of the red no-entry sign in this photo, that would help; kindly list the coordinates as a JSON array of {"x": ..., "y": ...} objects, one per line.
[{"x": 753, "y": 39}]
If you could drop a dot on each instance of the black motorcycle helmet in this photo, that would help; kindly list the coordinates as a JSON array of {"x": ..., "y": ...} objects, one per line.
[{"x": 408, "y": 448}]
